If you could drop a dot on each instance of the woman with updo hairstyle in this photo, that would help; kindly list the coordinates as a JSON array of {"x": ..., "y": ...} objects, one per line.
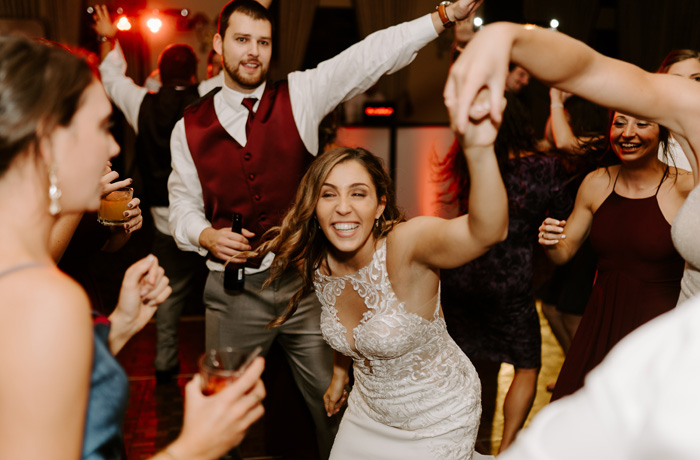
[{"x": 62, "y": 392}]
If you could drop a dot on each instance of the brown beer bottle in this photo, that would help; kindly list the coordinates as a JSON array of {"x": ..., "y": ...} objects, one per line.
[{"x": 234, "y": 273}]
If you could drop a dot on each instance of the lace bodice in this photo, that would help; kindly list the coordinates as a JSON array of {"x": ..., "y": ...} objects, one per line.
[{"x": 409, "y": 373}]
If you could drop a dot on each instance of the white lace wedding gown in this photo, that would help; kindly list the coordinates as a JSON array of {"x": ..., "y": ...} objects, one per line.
[{"x": 416, "y": 394}]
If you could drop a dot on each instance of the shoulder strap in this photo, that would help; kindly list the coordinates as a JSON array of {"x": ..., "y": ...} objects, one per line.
[
  {"x": 618, "y": 175},
  {"x": 663, "y": 178},
  {"x": 17, "y": 268}
]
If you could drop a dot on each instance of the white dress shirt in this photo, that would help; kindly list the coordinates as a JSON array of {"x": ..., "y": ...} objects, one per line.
[
  {"x": 314, "y": 93},
  {"x": 128, "y": 96}
]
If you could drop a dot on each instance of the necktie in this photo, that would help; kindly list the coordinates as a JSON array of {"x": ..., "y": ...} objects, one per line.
[{"x": 248, "y": 103}]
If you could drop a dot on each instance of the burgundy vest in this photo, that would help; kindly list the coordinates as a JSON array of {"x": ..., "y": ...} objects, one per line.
[{"x": 259, "y": 180}]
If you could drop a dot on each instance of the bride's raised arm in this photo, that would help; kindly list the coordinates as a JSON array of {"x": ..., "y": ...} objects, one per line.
[{"x": 450, "y": 243}]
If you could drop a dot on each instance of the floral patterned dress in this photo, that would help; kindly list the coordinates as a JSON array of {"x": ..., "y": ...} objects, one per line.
[{"x": 489, "y": 303}]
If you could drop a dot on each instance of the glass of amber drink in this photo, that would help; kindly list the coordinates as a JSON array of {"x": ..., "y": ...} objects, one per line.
[
  {"x": 113, "y": 205},
  {"x": 219, "y": 367}
]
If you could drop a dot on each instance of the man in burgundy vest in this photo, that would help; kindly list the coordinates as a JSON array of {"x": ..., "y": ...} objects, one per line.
[{"x": 244, "y": 149}]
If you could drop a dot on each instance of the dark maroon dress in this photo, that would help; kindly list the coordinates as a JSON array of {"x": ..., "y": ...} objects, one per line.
[{"x": 639, "y": 275}]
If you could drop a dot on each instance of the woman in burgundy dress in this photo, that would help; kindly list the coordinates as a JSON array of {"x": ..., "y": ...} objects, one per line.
[{"x": 626, "y": 209}]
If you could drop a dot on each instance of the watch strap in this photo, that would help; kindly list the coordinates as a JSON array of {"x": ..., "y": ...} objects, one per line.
[{"x": 442, "y": 12}]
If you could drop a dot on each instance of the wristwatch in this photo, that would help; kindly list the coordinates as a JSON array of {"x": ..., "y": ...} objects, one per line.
[{"x": 442, "y": 12}]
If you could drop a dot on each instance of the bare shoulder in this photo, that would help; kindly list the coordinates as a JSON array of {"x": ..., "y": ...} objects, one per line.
[
  {"x": 46, "y": 302},
  {"x": 596, "y": 186},
  {"x": 683, "y": 181},
  {"x": 404, "y": 235},
  {"x": 45, "y": 323}
]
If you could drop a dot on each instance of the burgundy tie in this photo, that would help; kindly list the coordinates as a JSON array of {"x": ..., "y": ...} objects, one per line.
[{"x": 248, "y": 103}]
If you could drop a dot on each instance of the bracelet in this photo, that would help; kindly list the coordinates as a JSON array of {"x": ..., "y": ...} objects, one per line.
[
  {"x": 444, "y": 17},
  {"x": 167, "y": 453},
  {"x": 102, "y": 38},
  {"x": 557, "y": 104}
]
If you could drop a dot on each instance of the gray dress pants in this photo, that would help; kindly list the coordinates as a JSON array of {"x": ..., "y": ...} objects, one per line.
[
  {"x": 182, "y": 268},
  {"x": 239, "y": 320}
]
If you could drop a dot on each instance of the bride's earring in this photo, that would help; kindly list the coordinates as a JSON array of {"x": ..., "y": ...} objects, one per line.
[{"x": 54, "y": 191}]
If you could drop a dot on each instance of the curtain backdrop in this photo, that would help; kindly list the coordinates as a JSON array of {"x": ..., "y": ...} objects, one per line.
[
  {"x": 649, "y": 29},
  {"x": 577, "y": 18},
  {"x": 296, "y": 18},
  {"x": 60, "y": 18},
  {"x": 375, "y": 15}
]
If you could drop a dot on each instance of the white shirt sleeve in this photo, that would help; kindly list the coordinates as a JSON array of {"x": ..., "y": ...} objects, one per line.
[
  {"x": 187, "y": 219},
  {"x": 315, "y": 92},
  {"x": 121, "y": 89},
  {"x": 206, "y": 86}
]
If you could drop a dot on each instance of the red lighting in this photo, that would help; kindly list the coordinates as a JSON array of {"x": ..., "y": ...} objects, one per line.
[{"x": 379, "y": 111}]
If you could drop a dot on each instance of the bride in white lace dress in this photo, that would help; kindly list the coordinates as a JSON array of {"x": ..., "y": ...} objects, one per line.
[{"x": 416, "y": 395}]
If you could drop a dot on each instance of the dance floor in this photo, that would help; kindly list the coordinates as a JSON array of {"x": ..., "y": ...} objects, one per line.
[{"x": 154, "y": 415}]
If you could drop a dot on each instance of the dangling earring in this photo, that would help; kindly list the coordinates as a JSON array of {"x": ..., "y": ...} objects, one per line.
[
  {"x": 54, "y": 191},
  {"x": 376, "y": 222}
]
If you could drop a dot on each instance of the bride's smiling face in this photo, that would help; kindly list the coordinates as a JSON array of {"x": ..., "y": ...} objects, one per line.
[{"x": 347, "y": 209}]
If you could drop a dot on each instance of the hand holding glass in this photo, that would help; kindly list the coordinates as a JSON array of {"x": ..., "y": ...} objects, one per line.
[
  {"x": 113, "y": 206},
  {"x": 219, "y": 367}
]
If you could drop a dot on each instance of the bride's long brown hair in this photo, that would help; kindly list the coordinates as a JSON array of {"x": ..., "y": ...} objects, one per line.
[{"x": 299, "y": 243}]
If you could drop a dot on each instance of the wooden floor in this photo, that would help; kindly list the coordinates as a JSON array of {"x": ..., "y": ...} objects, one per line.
[{"x": 154, "y": 415}]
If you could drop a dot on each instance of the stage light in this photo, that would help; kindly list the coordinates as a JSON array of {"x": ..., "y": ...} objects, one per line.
[
  {"x": 154, "y": 24},
  {"x": 123, "y": 23},
  {"x": 553, "y": 24}
]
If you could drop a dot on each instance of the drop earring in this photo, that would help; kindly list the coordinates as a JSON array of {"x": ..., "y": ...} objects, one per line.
[{"x": 54, "y": 191}]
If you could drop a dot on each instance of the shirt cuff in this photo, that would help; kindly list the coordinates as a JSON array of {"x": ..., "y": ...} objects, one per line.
[{"x": 193, "y": 232}]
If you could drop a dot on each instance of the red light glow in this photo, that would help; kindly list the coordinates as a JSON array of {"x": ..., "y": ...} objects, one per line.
[{"x": 379, "y": 111}]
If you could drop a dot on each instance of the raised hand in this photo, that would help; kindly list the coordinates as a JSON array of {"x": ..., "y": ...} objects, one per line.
[
  {"x": 482, "y": 64},
  {"x": 144, "y": 287},
  {"x": 103, "y": 24},
  {"x": 480, "y": 132},
  {"x": 462, "y": 9}
]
